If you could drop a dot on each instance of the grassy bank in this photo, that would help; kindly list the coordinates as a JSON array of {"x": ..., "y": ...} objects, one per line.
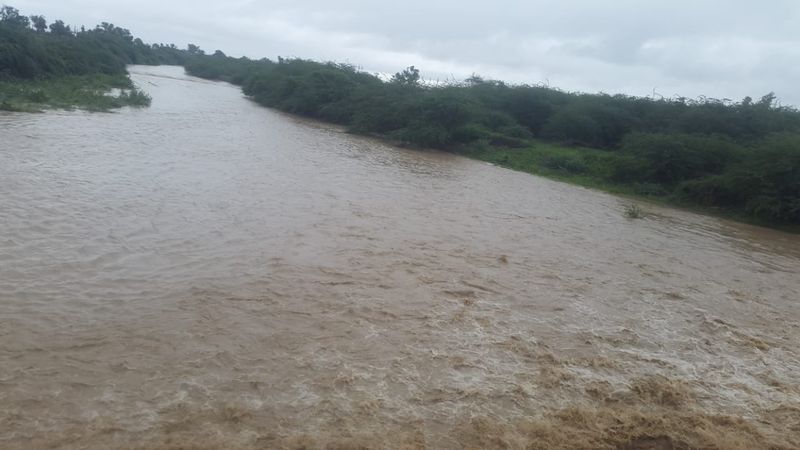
[
  {"x": 98, "y": 92},
  {"x": 591, "y": 168}
]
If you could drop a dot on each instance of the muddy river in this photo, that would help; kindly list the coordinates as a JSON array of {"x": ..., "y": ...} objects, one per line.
[{"x": 208, "y": 273}]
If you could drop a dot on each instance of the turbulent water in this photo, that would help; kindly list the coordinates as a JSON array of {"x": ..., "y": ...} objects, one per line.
[{"x": 210, "y": 273}]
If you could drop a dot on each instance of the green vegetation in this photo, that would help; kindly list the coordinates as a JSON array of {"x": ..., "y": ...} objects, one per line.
[
  {"x": 89, "y": 92},
  {"x": 55, "y": 66},
  {"x": 737, "y": 158},
  {"x": 634, "y": 211}
]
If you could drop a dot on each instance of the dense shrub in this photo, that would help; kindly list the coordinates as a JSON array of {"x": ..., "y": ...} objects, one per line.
[
  {"x": 671, "y": 158},
  {"x": 573, "y": 126},
  {"x": 29, "y": 53}
]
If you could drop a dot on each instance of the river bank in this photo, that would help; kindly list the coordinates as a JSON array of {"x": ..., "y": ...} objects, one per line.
[
  {"x": 740, "y": 158},
  {"x": 100, "y": 93},
  {"x": 564, "y": 164},
  {"x": 572, "y": 165}
]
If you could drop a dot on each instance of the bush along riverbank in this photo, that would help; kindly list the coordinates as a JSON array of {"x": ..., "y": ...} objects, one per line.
[
  {"x": 55, "y": 66},
  {"x": 739, "y": 159},
  {"x": 90, "y": 92}
]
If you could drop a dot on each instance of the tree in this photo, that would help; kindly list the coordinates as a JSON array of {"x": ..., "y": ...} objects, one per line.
[
  {"x": 11, "y": 16},
  {"x": 58, "y": 28},
  {"x": 194, "y": 50},
  {"x": 769, "y": 181},
  {"x": 669, "y": 158},
  {"x": 573, "y": 126},
  {"x": 39, "y": 23},
  {"x": 768, "y": 101},
  {"x": 474, "y": 79},
  {"x": 409, "y": 76}
]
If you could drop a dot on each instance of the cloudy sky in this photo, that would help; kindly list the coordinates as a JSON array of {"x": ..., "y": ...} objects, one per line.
[{"x": 717, "y": 48}]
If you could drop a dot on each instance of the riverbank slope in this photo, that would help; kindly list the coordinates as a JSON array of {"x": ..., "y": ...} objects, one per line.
[{"x": 740, "y": 160}]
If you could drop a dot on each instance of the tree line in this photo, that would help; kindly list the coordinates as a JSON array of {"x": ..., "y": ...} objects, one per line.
[{"x": 32, "y": 49}]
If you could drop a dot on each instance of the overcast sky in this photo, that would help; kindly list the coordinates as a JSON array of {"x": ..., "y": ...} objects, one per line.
[{"x": 717, "y": 48}]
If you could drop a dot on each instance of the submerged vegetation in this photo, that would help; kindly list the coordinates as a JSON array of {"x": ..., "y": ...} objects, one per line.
[
  {"x": 739, "y": 158},
  {"x": 90, "y": 92},
  {"x": 634, "y": 211}
]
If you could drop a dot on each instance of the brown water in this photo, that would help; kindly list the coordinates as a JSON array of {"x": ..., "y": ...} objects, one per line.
[{"x": 210, "y": 273}]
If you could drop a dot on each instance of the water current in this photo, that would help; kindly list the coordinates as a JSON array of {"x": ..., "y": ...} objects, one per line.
[{"x": 210, "y": 273}]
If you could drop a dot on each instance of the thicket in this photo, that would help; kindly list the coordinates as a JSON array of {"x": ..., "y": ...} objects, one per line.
[{"x": 30, "y": 49}]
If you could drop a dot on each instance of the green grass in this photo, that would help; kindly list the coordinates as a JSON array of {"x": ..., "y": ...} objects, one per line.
[
  {"x": 88, "y": 92},
  {"x": 591, "y": 168},
  {"x": 576, "y": 165}
]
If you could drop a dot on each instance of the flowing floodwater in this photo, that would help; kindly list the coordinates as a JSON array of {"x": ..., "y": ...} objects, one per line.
[{"x": 210, "y": 273}]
